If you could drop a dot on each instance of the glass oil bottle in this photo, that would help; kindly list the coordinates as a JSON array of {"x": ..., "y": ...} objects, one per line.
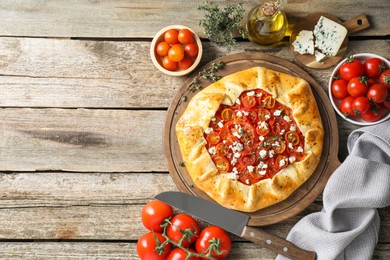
[{"x": 266, "y": 23}]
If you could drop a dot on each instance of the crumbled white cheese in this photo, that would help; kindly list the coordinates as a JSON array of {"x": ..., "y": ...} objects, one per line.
[
  {"x": 250, "y": 93},
  {"x": 293, "y": 128},
  {"x": 287, "y": 119},
  {"x": 245, "y": 113},
  {"x": 233, "y": 175},
  {"x": 238, "y": 101},
  {"x": 262, "y": 172},
  {"x": 239, "y": 114},
  {"x": 277, "y": 112},
  {"x": 247, "y": 181},
  {"x": 292, "y": 159},
  {"x": 212, "y": 150},
  {"x": 299, "y": 149},
  {"x": 282, "y": 163},
  {"x": 236, "y": 135},
  {"x": 283, "y": 131},
  {"x": 263, "y": 153},
  {"x": 208, "y": 130},
  {"x": 271, "y": 153},
  {"x": 304, "y": 43},
  {"x": 261, "y": 138},
  {"x": 277, "y": 144},
  {"x": 329, "y": 36},
  {"x": 259, "y": 95},
  {"x": 213, "y": 119},
  {"x": 290, "y": 145},
  {"x": 233, "y": 161},
  {"x": 250, "y": 168},
  {"x": 220, "y": 124},
  {"x": 237, "y": 155}
]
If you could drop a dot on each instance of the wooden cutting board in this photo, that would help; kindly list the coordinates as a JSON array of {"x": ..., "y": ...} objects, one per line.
[
  {"x": 305, "y": 194},
  {"x": 353, "y": 25}
]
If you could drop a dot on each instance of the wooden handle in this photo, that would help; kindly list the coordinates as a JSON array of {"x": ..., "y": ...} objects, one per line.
[
  {"x": 357, "y": 23},
  {"x": 277, "y": 244}
]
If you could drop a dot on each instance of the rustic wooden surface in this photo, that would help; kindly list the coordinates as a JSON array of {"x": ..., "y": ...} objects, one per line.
[{"x": 82, "y": 110}]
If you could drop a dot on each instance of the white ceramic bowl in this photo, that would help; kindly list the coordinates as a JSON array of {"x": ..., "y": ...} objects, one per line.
[
  {"x": 336, "y": 102},
  {"x": 157, "y": 60}
]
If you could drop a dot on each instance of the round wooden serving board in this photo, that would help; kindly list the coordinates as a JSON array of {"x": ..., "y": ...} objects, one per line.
[
  {"x": 353, "y": 25},
  {"x": 308, "y": 191}
]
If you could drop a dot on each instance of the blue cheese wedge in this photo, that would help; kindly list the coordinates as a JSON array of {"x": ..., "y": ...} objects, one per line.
[
  {"x": 329, "y": 36},
  {"x": 304, "y": 43},
  {"x": 319, "y": 56}
]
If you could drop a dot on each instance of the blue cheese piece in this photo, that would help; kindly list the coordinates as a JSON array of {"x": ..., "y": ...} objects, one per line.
[
  {"x": 329, "y": 36},
  {"x": 304, "y": 43},
  {"x": 319, "y": 56}
]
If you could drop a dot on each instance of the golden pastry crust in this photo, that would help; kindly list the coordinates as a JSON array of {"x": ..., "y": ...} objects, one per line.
[{"x": 292, "y": 92}]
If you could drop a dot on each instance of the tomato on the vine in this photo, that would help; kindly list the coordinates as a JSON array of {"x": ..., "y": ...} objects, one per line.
[
  {"x": 384, "y": 78},
  {"x": 339, "y": 88},
  {"x": 377, "y": 93},
  {"x": 373, "y": 67},
  {"x": 154, "y": 213},
  {"x": 351, "y": 68},
  {"x": 346, "y": 107},
  {"x": 357, "y": 86},
  {"x": 373, "y": 114},
  {"x": 180, "y": 254},
  {"x": 361, "y": 105},
  {"x": 183, "y": 227},
  {"x": 149, "y": 247},
  {"x": 215, "y": 240}
]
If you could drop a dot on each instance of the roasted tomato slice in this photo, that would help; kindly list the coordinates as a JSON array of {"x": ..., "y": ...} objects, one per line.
[
  {"x": 227, "y": 114},
  {"x": 263, "y": 114},
  {"x": 262, "y": 128},
  {"x": 248, "y": 101},
  {"x": 281, "y": 162},
  {"x": 213, "y": 138},
  {"x": 292, "y": 137},
  {"x": 279, "y": 147},
  {"x": 222, "y": 149},
  {"x": 269, "y": 102},
  {"x": 222, "y": 164}
]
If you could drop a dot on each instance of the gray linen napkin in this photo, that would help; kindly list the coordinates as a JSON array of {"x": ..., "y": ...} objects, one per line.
[{"x": 347, "y": 226}]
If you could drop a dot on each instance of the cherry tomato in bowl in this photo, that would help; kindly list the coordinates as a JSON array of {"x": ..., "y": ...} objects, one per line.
[
  {"x": 360, "y": 72},
  {"x": 181, "y": 45}
]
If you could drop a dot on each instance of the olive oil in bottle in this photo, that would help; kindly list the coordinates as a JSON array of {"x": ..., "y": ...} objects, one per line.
[{"x": 267, "y": 23}]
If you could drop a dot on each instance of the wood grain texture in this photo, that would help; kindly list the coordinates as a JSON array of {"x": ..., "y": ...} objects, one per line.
[{"x": 137, "y": 18}]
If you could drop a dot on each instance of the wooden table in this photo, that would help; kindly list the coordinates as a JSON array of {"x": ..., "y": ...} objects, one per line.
[{"x": 82, "y": 110}]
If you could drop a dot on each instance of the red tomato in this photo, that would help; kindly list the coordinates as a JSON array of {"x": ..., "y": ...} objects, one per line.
[
  {"x": 169, "y": 64},
  {"x": 176, "y": 53},
  {"x": 180, "y": 254},
  {"x": 357, "y": 86},
  {"x": 248, "y": 101},
  {"x": 170, "y": 36},
  {"x": 373, "y": 67},
  {"x": 346, "y": 107},
  {"x": 262, "y": 129},
  {"x": 213, "y": 138},
  {"x": 292, "y": 137},
  {"x": 185, "y": 36},
  {"x": 377, "y": 93},
  {"x": 227, "y": 114},
  {"x": 185, "y": 63},
  {"x": 263, "y": 114},
  {"x": 218, "y": 238},
  {"x": 386, "y": 104},
  {"x": 372, "y": 115},
  {"x": 351, "y": 68},
  {"x": 361, "y": 104},
  {"x": 191, "y": 49},
  {"x": 269, "y": 102},
  {"x": 162, "y": 49},
  {"x": 281, "y": 162},
  {"x": 222, "y": 149},
  {"x": 279, "y": 149},
  {"x": 222, "y": 164},
  {"x": 148, "y": 247},
  {"x": 183, "y": 225},
  {"x": 384, "y": 78},
  {"x": 154, "y": 213},
  {"x": 339, "y": 88}
]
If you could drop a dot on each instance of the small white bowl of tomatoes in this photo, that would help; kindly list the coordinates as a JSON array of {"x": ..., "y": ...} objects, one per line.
[
  {"x": 359, "y": 89},
  {"x": 176, "y": 50}
]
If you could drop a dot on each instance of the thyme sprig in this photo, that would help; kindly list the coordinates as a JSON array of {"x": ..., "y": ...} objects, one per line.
[{"x": 220, "y": 23}]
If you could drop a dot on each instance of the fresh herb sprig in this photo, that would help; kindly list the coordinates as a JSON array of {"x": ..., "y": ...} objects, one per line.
[
  {"x": 208, "y": 74},
  {"x": 221, "y": 23}
]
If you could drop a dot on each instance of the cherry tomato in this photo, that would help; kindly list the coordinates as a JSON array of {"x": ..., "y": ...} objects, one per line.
[
  {"x": 269, "y": 102},
  {"x": 263, "y": 114},
  {"x": 191, "y": 49},
  {"x": 222, "y": 164},
  {"x": 351, "y": 68},
  {"x": 280, "y": 148},
  {"x": 373, "y": 67},
  {"x": 185, "y": 63},
  {"x": 373, "y": 114},
  {"x": 162, "y": 49},
  {"x": 377, "y": 93},
  {"x": 262, "y": 129},
  {"x": 176, "y": 53},
  {"x": 292, "y": 137},
  {"x": 248, "y": 101},
  {"x": 170, "y": 36},
  {"x": 169, "y": 64},
  {"x": 384, "y": 78},
  {"x": 222, "y": 149},
  {"x": 180, "y": 254},
  {"x": 339, "y": 88},
  {"x": 182, "y": 224},
  {"x": 357, "y": 86},
  {"x": 227, "y": 114},
  {"x": 213, "y": 138},
  {"x": 360, "y": 105},
  {"x": 185, "y": 36},
  {"x": 147, "y": 247},
  {"x": 248, "y": 159},
  {"x": 281, "y": 162},
  {"x": 346, "y": 107},
  {"x": 218, "y": 238},
  {"x": 154, "y": 213}
]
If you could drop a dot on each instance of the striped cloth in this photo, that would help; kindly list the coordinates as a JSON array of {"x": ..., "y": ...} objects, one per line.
[{"x": 347, "y": 226}]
